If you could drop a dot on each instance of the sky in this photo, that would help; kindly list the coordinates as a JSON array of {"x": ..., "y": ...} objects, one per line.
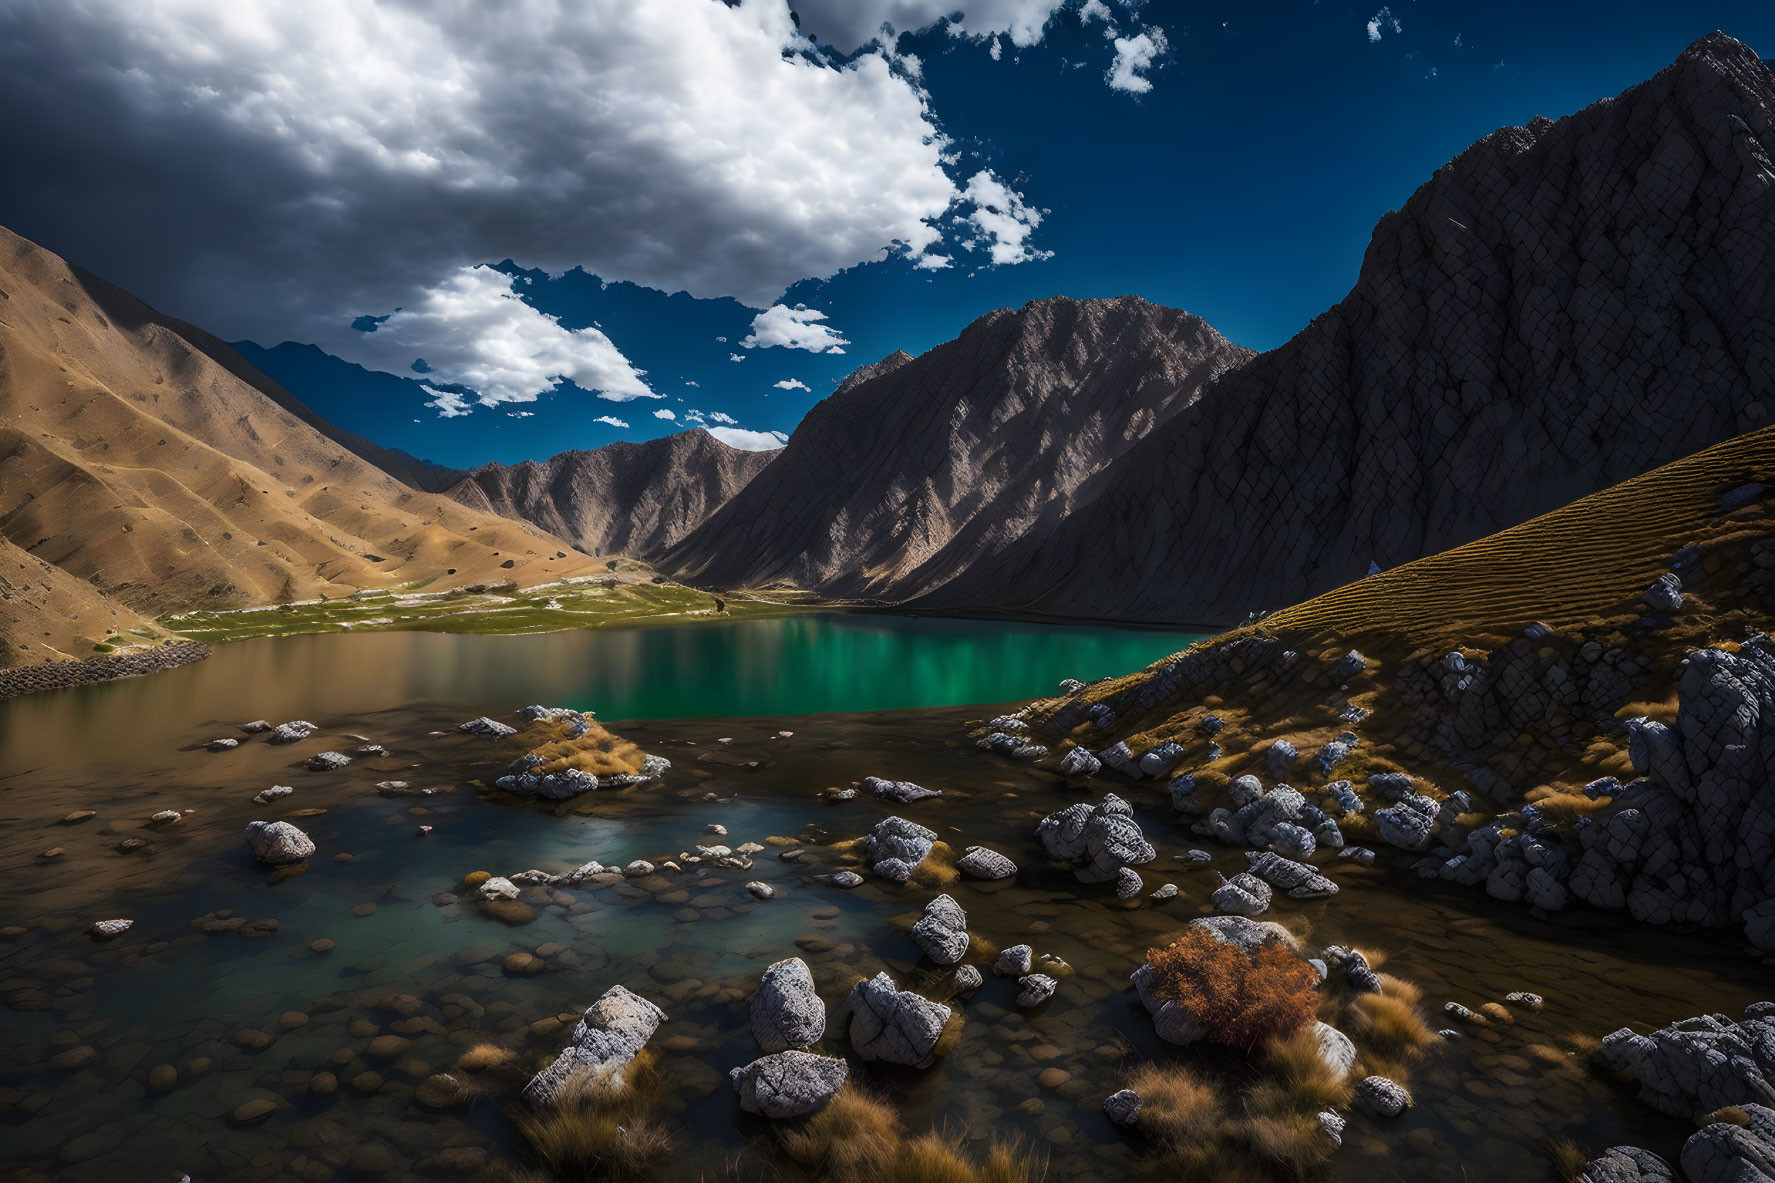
[{"x": 484, "y": 235}]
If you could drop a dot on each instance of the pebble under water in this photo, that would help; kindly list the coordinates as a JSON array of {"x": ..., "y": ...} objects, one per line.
[{"x": 141, "y": 1058}]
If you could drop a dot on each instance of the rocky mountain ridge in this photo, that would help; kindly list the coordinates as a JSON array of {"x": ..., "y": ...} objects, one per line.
[
  {"x": 1561, "y": 307},
  {"x": 916, "y": 467},
  {"x": 624, "y": 498}
]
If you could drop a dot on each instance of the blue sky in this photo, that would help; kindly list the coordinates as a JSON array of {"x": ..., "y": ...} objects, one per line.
[{"x": 1241, "y": 186}]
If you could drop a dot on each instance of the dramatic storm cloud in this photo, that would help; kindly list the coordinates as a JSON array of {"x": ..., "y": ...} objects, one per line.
[{"x": 278, "y": 169}]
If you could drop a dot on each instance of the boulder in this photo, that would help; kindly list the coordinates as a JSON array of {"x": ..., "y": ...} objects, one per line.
[
  {"x": 1098, "y": 839},
  {"x": 789, "y": 1083},
  {"x": 1123, "y": 1108},
  {"x": 980, "y": 863},
  {"x": 1697, "y": 1065},
  {"x": 278, "y": 844},
  {"x": 105, "y": 930},
  {"x": 967, "y": 979},
  {"x": 1242, "y": 895},
  {"x": 1079, "y": 762},
  {"x": 1626, "y": 1164},
  {"x": 1160, "y": 759},
  {"x": 902, "y": 792},
  {"x": 328, "y": 761},
  {"x": 1014, "y": 961},
  {"x": 498, "y": 888},
  {"x": 1035, "y": 989},
  {"x": 895, "y": 846},
  {"x": 942, "y": 932},
  {"x": 607, "y": 1037},
  {"x": 1128, "y": 884},
  {"x": 1378, "y": 1096},
  {"x": 895, "y": 1026},
  {"x": 1335, "y": 1048},
  {"x": 292, "y": 731},
  {"x": 1248, "y": 934},
  {"x": 1408, "y": 824},
  {"x": 1297, "y": 880},
  {"x": 1726, "y": 1152}
]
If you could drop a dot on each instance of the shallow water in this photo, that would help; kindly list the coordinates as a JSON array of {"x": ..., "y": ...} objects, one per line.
[
  {"x": 794, "y": 665},
  {"x": 170, "y": 993}
]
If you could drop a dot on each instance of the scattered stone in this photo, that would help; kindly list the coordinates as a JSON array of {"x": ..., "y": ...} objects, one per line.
[
  {"x": 162, "y": 1077},
  {"x": 278, "y": 844},
  {"x": 786, "y": 1011},
  {"x": 328, "y": 761},
  {"x": 895, "y": 1026},
  {"x": 763, "y": 891},
  {"x": 79, "y": 815},
  {"x": 1035, "y": 989},
  {"x": 902, "y": 792},
  {"x": 1242, "y": 895},
  {"x": 980, "y": 863},
  {"x": 607, "y": 1037},
  {"x": 292, "y": 731},
  {"x": 1525, "y": 1000},
  {"x": 1129, "y": 885},
  {"x": 896, "y": 846},
  {"x": 252, "y": 1112},
  {"x": 1165, "y": 891},
  {"x": 1079, "y": 762},
  {"x": 222, "y": 745},
  {"x": 486, "y": 728},
  {"x": 1378, "y": 1096},
  {"x": 789, "y": 1083},
  {"x": 497, "y": 887},
  {"x": 942, "y": 932},
  {"x": 1299, "y": 880},
  {"x": 843, "y": 879},
  {"x": 267, "y": 796},
  {"x": 1099, "y": 840},
  {"x": 1123, "y": 1108},
  {"x": 105, "y": 930},
  {"x": 967, "y": 979},
  {"x": 1013, "y": 962}
]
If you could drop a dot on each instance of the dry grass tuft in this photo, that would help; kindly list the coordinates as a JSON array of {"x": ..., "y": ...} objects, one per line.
[
  {"x": 1564, "y": 809},
  {"x": 938, "y": 868},
  {"x": 600, "y": 1126},
  {"x": 1300, "y": 1077},
  {"x": 1731, "y": 1114},
  {"x": 1568, "y": 1158},
  {"x": 597, "y": 752},
  {"x": 1390, "y": 1030},
  {"x": 1243, "y": 999},
  {"x": 858, "y": 1138},
  {"x": 489, "y": 1057}
]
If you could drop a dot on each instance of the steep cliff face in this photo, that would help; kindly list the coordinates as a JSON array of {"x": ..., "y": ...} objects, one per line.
[
  {"x": 1563, "y": 306},
  {"x": 138, "y": 459},
  {"x": 916, "y": 467},
  {"x": 624, "y": 498}
]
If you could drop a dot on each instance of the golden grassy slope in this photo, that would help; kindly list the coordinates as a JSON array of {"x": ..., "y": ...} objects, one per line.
[
  {"x": 1566, "y": 568},
  {"x": 1579, "y": 570},
  {"x": 140, "y": 465}
]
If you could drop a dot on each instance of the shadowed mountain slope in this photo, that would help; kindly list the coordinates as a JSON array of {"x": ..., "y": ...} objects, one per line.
[
  {"x": 140, "y": 465},
  {"x": 916, "y": 467},
  {"x": 1563, "y": 306},
  {"x": 624, "y": 498}
]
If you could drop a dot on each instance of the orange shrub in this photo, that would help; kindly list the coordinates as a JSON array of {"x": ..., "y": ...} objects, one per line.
[{"x": 1243, "y": 999}]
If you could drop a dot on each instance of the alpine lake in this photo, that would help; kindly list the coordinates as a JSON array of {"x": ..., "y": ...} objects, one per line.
[{"x": 206, "y": 1042}]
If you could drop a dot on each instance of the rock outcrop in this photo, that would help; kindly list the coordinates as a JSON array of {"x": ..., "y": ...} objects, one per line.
[
  {"x": 1099, "y": 840},
  {"x": 786, "y": 1012},
  {"x": 893, "y": 1025},
  {"x": 789, "y": 1083}
]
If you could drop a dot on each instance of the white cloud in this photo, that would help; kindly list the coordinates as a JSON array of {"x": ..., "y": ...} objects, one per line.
[
  {"x": 474, "y": 331},
  {"x": 722, "y": 417},
  {"x": 736, "y": 357},
  {"x": 610, "y": 419},
  {"x": 847, "y": 25},
  {"x": 997, "y": 51},
  {"x": 793, "y": 328},
  {"x": 750, "y": 441},
  {"x": 520, "y": 414},
  {"x": 295, "y": 163},
  {"x": 447, "y": 403},
  {"x": 1095, "y": 10},
  {"x": 1133, "y": 55},
  {"x": 662, "y": 413},
  {"x": 790, "y": 384},
  {"x": 690, "y": 382},
  {"x": 1002, "y": 220},
  {"x": 1382, "y": 22}
]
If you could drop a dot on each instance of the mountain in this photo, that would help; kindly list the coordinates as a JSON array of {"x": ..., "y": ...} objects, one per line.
[
  {"x": 916, "y": 467},
  {"x": 157, "y": 471},
  {"x": 318, "y": 374},
  {"x": 1563, "y": 306},
  {"x": 624, "y": 498}
]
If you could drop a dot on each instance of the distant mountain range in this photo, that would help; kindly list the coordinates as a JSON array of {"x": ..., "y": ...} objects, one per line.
[{"x": 1562, "y": 307}]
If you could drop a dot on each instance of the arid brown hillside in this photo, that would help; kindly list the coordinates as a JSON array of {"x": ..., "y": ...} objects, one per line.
[
  {"x": 1563, "y": 306},
  {"x": 624, "y": 498},
  {"x": 917, "y": 467},
  {"x": 146, "y": 470}
]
